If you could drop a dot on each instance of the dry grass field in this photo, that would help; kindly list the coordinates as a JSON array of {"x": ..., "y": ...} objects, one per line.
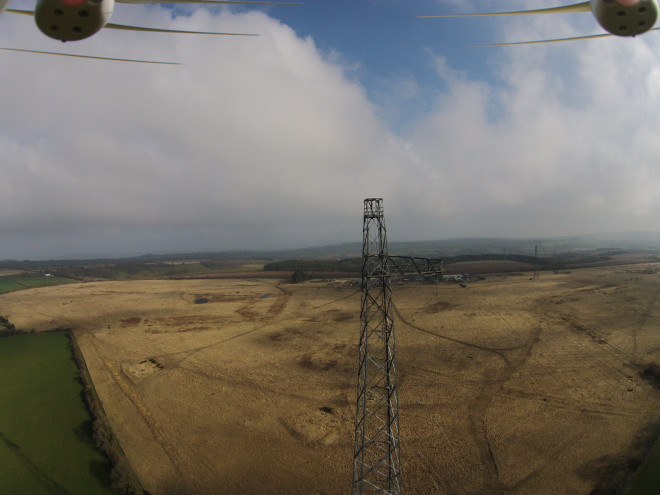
[{"x": 510, "y": 385}]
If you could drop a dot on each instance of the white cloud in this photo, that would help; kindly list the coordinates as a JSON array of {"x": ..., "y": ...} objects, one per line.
[
  {"x": 265, "y": 142},
  {"x": 564, "y": 153},
  {"x": 249, "y": 131}
]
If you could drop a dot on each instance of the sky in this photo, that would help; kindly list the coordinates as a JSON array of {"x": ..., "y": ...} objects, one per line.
[{"x": 274, "y": 141}]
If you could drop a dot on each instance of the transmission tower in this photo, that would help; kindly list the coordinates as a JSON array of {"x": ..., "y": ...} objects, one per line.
[
  {"x": 536, "y": 255},
  {"x": 376, "y": 464},
  {"x": 376, "y": 467}
]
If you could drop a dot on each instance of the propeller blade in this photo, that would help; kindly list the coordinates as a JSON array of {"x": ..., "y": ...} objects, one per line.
[
  {"x": 124, "y": 27},
  {"x": 564, "y": 9},
  {"x": 157, "y": 30},
  {"x": 90, "y": 56},
  {"x": 207, "y": 1},
  {"x": 3, "y": 4},
  {"x": 17, "y": 11},
  {"x": 591, "y": 36}
]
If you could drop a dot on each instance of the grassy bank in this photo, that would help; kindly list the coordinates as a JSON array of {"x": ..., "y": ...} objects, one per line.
[
  {"x": 123, "y": 478},
  {"x": 46, "y": 442}
]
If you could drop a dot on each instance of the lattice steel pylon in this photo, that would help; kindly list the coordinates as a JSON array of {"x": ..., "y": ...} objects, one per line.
[
  {"x": 376, "y": 464},
  {"x": 536, "y": 255}
]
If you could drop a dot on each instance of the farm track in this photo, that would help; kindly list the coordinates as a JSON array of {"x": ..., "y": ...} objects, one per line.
[
  {"x": 497, "y": 351},
  {"x": 490, "y": 386},
  {"x": 270, "y": 321},
  {"x": 558, "y": 402},
  {"x": 646, "y": 314}
]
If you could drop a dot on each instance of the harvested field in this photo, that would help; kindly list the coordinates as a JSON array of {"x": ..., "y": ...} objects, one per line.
[{"x": 509, "y": 385}]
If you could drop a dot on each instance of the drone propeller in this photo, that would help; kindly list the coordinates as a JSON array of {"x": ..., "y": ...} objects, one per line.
[
  {"x": 591, "y": 36},
  {"x": 3, "y": 4},
  {"x": 138, "y": 28},
  {"x": 564, "y": 9},
  {"x": 176, "y": 31},
  {"x": 208, "y": 1},
  {"x": 543, "y": 41},
  {"x": 89, "y": 56}
]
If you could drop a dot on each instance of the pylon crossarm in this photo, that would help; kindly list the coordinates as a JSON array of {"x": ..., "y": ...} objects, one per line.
[{"x": 407, "y": 265}]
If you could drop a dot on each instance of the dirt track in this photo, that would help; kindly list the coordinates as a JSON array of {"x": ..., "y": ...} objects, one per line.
[{"x": 508, "y": 386}]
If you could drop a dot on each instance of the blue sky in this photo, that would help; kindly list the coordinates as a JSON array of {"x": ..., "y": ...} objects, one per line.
[
  {"x": 273, "y": 142},
  {"x": 385, "y": 41}
]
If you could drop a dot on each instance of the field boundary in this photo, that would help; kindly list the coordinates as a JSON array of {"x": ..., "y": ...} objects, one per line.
[{"x": 124, "y": 480}]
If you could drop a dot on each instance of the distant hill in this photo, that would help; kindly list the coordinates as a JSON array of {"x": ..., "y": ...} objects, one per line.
[
  {"x": 477, "y": 246},
  {"x": 548, "y": 247}
]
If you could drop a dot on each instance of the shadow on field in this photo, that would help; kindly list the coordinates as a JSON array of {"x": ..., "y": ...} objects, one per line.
[
  {"x": 651, "y": 373},
  {"x": 85, "y": 432},
  {"x": 39, "y": 475},
  {"x": 615, "y": 474},
  {"x": 101, "y": 470}
]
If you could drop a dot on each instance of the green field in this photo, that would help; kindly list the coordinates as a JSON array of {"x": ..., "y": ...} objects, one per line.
[
  {"x": 10, "y": 283},
  {"x": 45, "y": 428},
  {"x": 647, "y": 479}
]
